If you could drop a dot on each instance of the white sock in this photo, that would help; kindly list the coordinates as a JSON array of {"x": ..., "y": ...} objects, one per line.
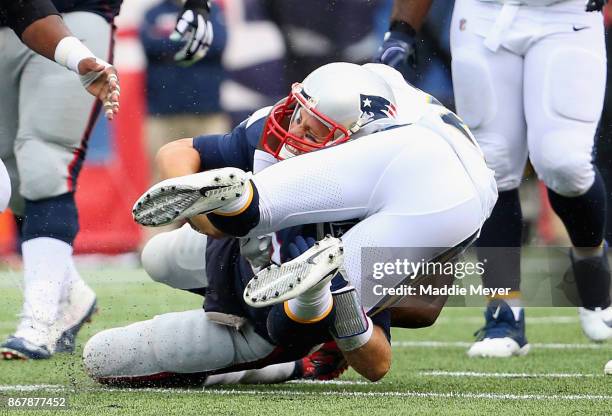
[
  {"x": 45, "y": 264},
  {"x": 312, "y": 305},
  {"x": 516, "y": 304},
  {"x": 516, "y": 311}
]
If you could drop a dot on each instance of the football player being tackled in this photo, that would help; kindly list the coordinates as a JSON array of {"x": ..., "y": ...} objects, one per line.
[{"x": 414, "y": 178}]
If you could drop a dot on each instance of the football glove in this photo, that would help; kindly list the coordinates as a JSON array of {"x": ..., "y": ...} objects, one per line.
[
  {"x": 299, "y": 246},
  {"x": 398, "y": 51},
  {"x": 257, "y": 250},
  {"x": 193, "y": 27},
  {"x": 595, "y": 5}
]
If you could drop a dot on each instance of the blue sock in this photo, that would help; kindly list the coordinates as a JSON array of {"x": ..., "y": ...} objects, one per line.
[{"x": 500, "y": 241}]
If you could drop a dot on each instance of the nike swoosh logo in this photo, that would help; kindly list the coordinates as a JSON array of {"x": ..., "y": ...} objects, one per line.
[
  {"x": 579, "y": 28},
  {"x": 496, "y": 313},
  {"x": 309, "y": 259}
]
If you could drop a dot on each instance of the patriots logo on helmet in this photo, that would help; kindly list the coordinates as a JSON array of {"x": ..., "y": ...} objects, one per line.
[{"x": 374, "y": 107}]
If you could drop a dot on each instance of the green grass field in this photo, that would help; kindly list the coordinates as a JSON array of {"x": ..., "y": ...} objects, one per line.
[{"x": 563, "y": 374}]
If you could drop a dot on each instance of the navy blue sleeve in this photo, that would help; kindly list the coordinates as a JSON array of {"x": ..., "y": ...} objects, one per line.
[
  {"x": 235, "y": 149},
  {"x": 383, "y": 320},
  {"x": 19, "y": 14}
]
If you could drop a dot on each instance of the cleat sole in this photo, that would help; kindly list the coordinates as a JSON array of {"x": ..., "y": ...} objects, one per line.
[
  {"x": 179, "y": 198},
  {"x": 276, "y": 284}
]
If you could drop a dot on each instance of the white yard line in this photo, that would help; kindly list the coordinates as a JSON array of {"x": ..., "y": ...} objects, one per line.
[
  {"x": 32, "y": 387},
  {"x": 505, "y": 375},
  {"x": 331, "y": 382},
  {"x": 343, "y": 393},
  {"x": 538, "y": 320},
  {"x": 461, "y": 344}
]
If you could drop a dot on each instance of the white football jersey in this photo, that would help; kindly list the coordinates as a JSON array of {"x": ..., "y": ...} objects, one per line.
[{"x": 412, "y": 103}]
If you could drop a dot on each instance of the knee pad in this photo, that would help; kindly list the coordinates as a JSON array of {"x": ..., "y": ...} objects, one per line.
[
  {"x": 177, "y": 258},
  {"x": 563, "y": 162},
  {"x": 54, "y": 217},
  {"x": 187, "y": 342},
  {"x": 473, "y": 86},
  {"x": 576, "y": 92},
  {"x": 122, "y": 352},
  {"x": 5, "y": 187}
]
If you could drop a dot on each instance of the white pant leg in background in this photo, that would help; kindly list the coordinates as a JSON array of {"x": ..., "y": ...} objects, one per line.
[
  {"x": 565, "y": 76},
  {"x": 55, "y": 112},
  {"x": 488, "y": 90},
  {"x": 531, "y": 79}
]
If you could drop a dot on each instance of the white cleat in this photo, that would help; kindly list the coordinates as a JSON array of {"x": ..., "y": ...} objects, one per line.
[
  {"x": 179, "y": 198},
  {"x": 596, "y": 324},
  {"x": 497, "y": 348},
  {"x": 276, "y": 284}
]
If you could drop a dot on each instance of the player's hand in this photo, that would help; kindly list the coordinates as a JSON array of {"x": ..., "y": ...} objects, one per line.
[
  {"x": 193, "y": 27},
  {"x": 398, "y": 51},
  {"x": 101, "y": 80},
  {"x": 299, "y": 246},
  {"x": 257, "y": 250},
  {"x": 595, "y": 5}
]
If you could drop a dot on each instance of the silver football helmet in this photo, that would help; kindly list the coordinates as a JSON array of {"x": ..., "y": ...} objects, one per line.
[{"x": 348, "y": 99}]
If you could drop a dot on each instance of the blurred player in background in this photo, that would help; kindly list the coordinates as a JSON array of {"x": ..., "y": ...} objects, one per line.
[
  {"x": 39, "y": 26},
  {"x": 44, "y": 127},
  {"x": 512, "y": 95}
]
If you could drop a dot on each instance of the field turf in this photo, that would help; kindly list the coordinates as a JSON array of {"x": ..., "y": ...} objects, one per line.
[{"x": 431, "y": 374}]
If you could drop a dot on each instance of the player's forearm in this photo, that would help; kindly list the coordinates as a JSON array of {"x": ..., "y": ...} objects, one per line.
[
  {"x": 412, "y": 12},
  {"x": 373, "y": 359},
  {"x": 178, "y": 158},
  {"x": 43, "y": 35}
]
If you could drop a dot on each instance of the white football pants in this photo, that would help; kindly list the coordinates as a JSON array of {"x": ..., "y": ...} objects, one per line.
[{"x": 530, "y": 81}]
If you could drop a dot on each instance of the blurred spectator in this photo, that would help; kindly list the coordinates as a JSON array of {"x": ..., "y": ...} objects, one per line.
[
  {"x": 182, "y": 101},
  {"x": 253, "y": 58},
  {"x": 317, "y": 32},
  {"x": 273, "y": 43}
]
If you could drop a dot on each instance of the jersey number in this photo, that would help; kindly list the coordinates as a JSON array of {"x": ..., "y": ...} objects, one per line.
[{"x": 452, "y": 120}]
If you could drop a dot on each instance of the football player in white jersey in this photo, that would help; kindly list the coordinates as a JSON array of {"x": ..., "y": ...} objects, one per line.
[
  {"x": 414, "y": 178},
  {"x": 529, "y": 80}
]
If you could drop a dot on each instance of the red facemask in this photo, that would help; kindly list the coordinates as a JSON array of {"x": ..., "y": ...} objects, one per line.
[{"x": 276, "y": 136}]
